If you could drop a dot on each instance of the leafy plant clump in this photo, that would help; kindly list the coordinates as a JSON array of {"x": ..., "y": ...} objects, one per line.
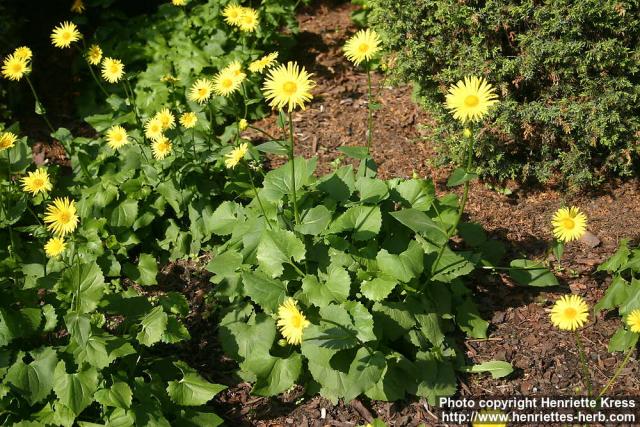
[{"x": 569, "y": 73}]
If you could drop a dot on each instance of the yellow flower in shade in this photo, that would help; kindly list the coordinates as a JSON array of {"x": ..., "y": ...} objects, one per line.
[
  {"x": 65, "y": 34},
  {"x": 363, "y": 46},
  {"x": 188, "y": 120},
  {"x": 15, "y": 67},
  {"x": 153, "y": 128},
  {"x": 266, "y": 61},
  {"x": 200, "y": 91},
  {"x": 232, "y": 13},
  {"x": 236, "y": 155},
  {"x": 54, "y": 247},
  {"x": 288, "y": 85},
  {"x": 291, "y": 321},
  {"x": 470, "y": 99},
  {"x": 7, "y": 140},
  {"x": 490, "y": 418},
  {"x": 249, "y": 19},
  {"x": 117, "y": 137},
  {"x": 161, "y": 148},
  {"x": 77, "y": 6},
  {"x": 36, "y": 182},
  {"x": 235, "y": 69},
  {"x": 112, "y": 70},
  {"x": 23, "y": 52},
  {"x": 61, "y": 217},
  {"x": 569, "y": 224},
  {"x": 94, "y": 54},
  {"x": 167, "y": 118},
  {"x": 569, "y": 313},
  {"x": 226, "y": 82},
  {"x": 243, "y": 124},
  {"x": 633, "y": 321},
  {"x": 178, "y": 2}
]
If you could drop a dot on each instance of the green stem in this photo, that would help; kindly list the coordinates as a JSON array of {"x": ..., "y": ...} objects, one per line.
[
  {"x": 369, "y": 118},
  {"x": 12, "y": 242},
  {"x": 583, "y": 362},
  {"x": 255, "y": 192},
  {"x": 83, "y": 52},
  {"x": 265, "y": 133},
  {"x": 296, "y": 216},
  {"x": 39, "y": 104},
  {"x": 618, "y": 371},
  {"x": 193, "y": 143}
]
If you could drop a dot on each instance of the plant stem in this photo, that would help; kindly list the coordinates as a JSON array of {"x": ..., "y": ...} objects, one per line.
[
  {"x": 296, "y": 216},
  {"x": 583, "y": 362},
  {"x": 39, "y": 104},
  {"x": 369, "y": 118},
  {"x": 255, "y": 192},
  {"x": 265, "y": 133},
  {"x": 12, "y": 246},
  {"x": 618, "y": 371}
]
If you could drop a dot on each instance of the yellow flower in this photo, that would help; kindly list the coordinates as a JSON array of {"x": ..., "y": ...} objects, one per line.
[
  {"x": 15, "y": 67},
  {"x": 117, "y": 137},
  {"x": 467, "y": 133},
  {"x": 178, "y": 2},
  {"x": 227, "y": 81},
  {"x": 169, "y": 79},
  {"x": 61, "y": 217},
  {"x": 161, "y": 148},
  {"x": 288, "y": 86},
  {"x": 291, "y": 321},
  {"x": 167, "y": 118},
  {"x": 569, "y": 313},
  {"x": 569, "y": 224},
  {"x": 23, "y": 52},
  {"x": 54, "y": 247},
  {"x": 153, "y": 128},
  {"x": 490, "y": 418},
  {"x": 362, "y": 46},
  {"x": 266, "y": 61},
  {"x": 200, "y": 91},
  {"x": 77, "y": 6},
  {"x": 249, "y": 19},
  {"x": 236, "y": 155},
  {"x": 232, "y": 13},
  {"x": 188, "y": 120},
  {"x": 235, "y": 69},
  {"x": 65, "y": 34},
  {"x": 36, "y": 182},
  {"x": 633, "y": 321},
  {"x": 243, "y": 124},
  {"x": 470, "y": 99},
  {"x": 112, "y": 70},
  {"x": 7, "y": 140},
  {"x": 94, "y": 54}
]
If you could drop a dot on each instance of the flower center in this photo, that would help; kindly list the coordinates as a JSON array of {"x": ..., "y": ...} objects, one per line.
[
  {"x": 17, "y": 67},
  {"x": 114, "y": 69},
  {"x": 570, "y": 312},
  {"x": 363, "y": 48},
  {"x": 38, "y": 182},
  {"x": 66, "y": 36},
  {"x": 227, "y": 83},
  {"x": 290, "y": 88},
  {"x": 202, "y": 91},
  {"x": 471, "y": 101},
  {"x": 296, "y": 322},
  {"x": 568, "y": 223},
  {"x": 64, "y": 217}
]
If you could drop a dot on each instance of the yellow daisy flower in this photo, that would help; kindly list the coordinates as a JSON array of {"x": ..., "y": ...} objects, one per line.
[
  {"x": 569, "y": 313},
  {"x": 178, "y": 2},
  {"x": 470, "y": 99},
  {"x": 112, "y": 70},
  {"x": 232, "y": 13},
  {"x": 161, "y": 148},
  {"x": 36, "y": 182},
  {"x": 77, "y": 6},
  {"x": 363, "y": 46},
  {"x": 23, "y": 52},
  {"x": 153, "y": 128},
  {"x": 15, "y": 67},
  {"x": 188, "y": 120},
  {"x": 7, "y": 140},
  {"x": 226, "y": 82},
  {"x": 249, "y": 19},
  {"x": 117, "y": 137},
  {"x": 65, "y": 34},
  {"x": 54, "y": 247},
  {"x": 288, "y": 86},
  {"x": 236, "y": 155},
  {"x": 633, "y": 321},
  {"x": 167, "y": 118},
  {"x": 266, "y": 61},
  {"x": 235, "y": 69},
  {"x": 200, "y": 91},
  {"x": 61, "y": 217},
  {"x": 243, "y": 124},
  {"x": 569, "y": 224},
  {"x": 291, "y": 322},
  {"x": 94, "y": 54}
]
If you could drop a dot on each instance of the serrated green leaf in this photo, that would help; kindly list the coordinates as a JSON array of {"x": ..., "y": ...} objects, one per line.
[
  {"x": 363, "y": 221},
  {"x": 91, "y": 282},
  {"x": 616, "y": 295},
  {"x": 418, "y": 194},
  {"x": 152, "y": 326},
  {"x": 314, "y": 221},
  {"x": 335, "y": 288},
  {"x": 34, "y": 381},
  {"x": 267, "y": 292},
  {"x": 279, "y": 247},
  {"x": 125, "y": 214},
  {"x": 119, "y": 395},
  {"x": 460, "y": 176},
  {"x": 76, "y": 390},
  {"x": 377, "y": 289},
  {"x": 192, "y": 390},
  {"x": 403, "y": 267},
  {"x": 622, "y": 340},
  {"x": 274, "y": 375}
]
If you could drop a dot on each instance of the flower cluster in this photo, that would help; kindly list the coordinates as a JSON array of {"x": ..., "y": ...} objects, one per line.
[{"x": 245, "y": 18}]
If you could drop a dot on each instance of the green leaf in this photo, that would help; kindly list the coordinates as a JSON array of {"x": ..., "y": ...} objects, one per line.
[
  {"x": 225, "y": 218},
  {"x": 362, "y": 321},
  {"x": 339, "y": 185},
  {"x": 335, "y": 331},
  {"x": 50, "y": 316},
  {"x": 79, "y": 326},
  {"x": 91, "y": 282},
  {"x": 18, "y": 323},
  {"x": 633, "y": 299},
  {"x": 274, "y": 375},
  {"x": 618, "y": 260},
  {"x": 531, "y": 273},
  {"x": 226, "y": 263},
  {"x": 497, "y": 368},
  {"x": 404, "y": 267},
  {"x": 241, "y": 339},
  {"x": 174, "y": 302},
  {"x": 152, "y": 326},
  {"x": 192, "y": 389},
  {"x": 365, "y": 221},
  {"x": 314, "y": 221},
  {"x": 75, "y": 391},
  {"x": 145, "y": 272},
  {"x": 274, "y": 147},
  {"x": 175, "y": 332},
  {"x": 393, "y": 318},
  {"x": 357, "y": 152},
  {"x": 125, "y": 214},
  {"x": 335, "y": 288},
  {"x": 436, "y": 377},
  {"x": 622, "y": 340},
  {"x": 264, "y": 291},
  {"x": 421, "y": 223},
  {"x": 279, "y": 247},
  {"x": 469, "y": 320},
  {"x": 460, "y": 176},
  {"x": 472, "y": 233},
  {"x": 118, "y": 396},
  {"x": 34, "y": 381},
  {"x": 278, "y": 183},
  {"x": 377, "y": 289},
  {"x": 190, "y": 418},
  {"x": 418, "y": 194},
  {"x": 372, "y": 190},
  {"x": 616, "y": 295}
]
